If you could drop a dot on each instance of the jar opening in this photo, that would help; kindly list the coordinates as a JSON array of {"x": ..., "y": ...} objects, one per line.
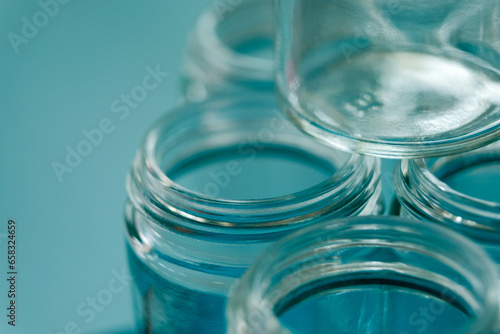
[
  {"x": 206, "y": 154},
  {"x": 449, "y": 190},
  {"x": 237, "y": 161},
  {"x": 370, "y": 281},
  {"x": 260, "y": 47},
  {"x": 263, "y": 171},
  {"x": 237, "y": 42},
  {"x": 480, "y": 181},
  {"x": 475, "y": 174},
  {"x": 369, "y": 274},
  {"x": 247, "y": 30},
  {"x": 366, "y": 303}
]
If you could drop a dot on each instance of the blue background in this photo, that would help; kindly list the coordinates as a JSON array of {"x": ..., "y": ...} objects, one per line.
[{"x": 63, "y": 81}]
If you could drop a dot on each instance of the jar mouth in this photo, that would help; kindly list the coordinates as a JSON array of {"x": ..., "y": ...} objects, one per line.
[
  {"x": 419, "y": 188},
  {"x": 225, "y": 121},
  {"x": 212, "y": 46},
  {"x": 358, "y": 252}
]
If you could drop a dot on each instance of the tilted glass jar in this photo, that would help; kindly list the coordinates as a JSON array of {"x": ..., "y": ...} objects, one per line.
[
  {"x": 377, "y": 275},
  {"x": 230, "y": 48},
  {"x": 459, "y": 191},
  {"x": 392, "y": 78},
  {"x": 215, "y": 183}
]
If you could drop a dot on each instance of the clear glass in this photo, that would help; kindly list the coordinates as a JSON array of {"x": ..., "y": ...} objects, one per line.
[
  {"x": 393, "y": 78},
  {"x": 459, "y": 191},
  {"x": 230, "y": 48},
  {"x": 214, "y": 184},
  {"x": 372, "y": 275}
]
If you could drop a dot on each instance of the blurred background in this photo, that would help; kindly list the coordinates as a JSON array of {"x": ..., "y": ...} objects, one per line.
[{"x": 65, "y": 81}]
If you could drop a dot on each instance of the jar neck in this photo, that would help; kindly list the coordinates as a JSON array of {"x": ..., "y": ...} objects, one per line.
[
  {"x": 351, "y": 253},
  {"x": 423, "y": 195},
  {"x": 342, "y": 195}
]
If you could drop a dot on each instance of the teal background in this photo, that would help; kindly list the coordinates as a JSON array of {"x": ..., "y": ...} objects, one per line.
[{"x": 70, "y": 234}]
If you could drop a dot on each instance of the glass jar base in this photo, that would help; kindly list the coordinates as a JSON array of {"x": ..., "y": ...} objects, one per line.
[{"x": 397, "y": 103}]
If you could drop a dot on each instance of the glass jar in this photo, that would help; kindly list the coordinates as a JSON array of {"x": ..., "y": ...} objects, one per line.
[
  {"x": 372, "y": 275},
  {"x": 230, "y": 48},
  {"x": 215, "y": 183},
  {"x": 460, "y": 191},
  {"x": 393, "y": 78}
]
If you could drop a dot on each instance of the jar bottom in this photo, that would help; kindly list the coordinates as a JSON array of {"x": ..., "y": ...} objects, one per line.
[
  {"x": 255, "y": 171},
  {"x": 389, "y": 102},
  {"x": 379, "y": 94},
  {"x": 375, "y": 309}
]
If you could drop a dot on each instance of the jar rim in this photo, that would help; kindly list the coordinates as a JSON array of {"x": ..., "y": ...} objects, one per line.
[
  {"x": 206, "y": 47},
  {"x": 438, "y": 185},
  {"x": 416, "y": 185},
  {"x": 147, "y": 176},
  {"x": 254, "y": 292}
]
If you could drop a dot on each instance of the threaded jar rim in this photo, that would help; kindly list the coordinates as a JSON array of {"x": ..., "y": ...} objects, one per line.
[
  {"x": 422, "y": 193},
  {"x": 207, "y": 54},
  {"x": 353, "y": 187}
]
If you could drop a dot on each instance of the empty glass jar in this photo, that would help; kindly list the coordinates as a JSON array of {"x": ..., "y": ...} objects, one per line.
[
  {"x": 460, "y": 191},
  {"x": 377, "y": 275},
  {"x": 230, "y": 48},
  {"x": 393, "y": 78},
  {"x": 214, "y": 184}
]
